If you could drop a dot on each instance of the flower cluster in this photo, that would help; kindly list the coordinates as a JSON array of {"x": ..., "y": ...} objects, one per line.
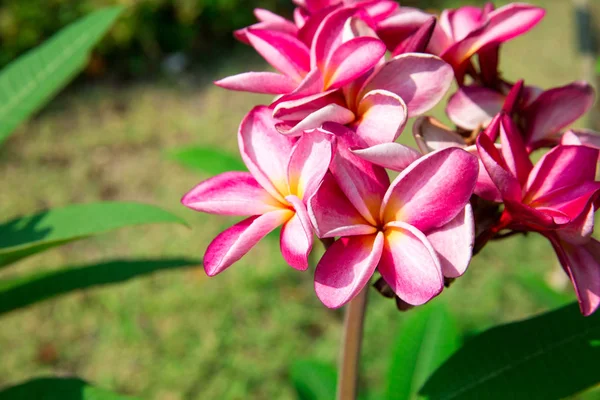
[{"x": 349, "y": 75}]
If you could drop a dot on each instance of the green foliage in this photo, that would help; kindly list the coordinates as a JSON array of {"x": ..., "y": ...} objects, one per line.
[
  {"x": 428, "y": 337},
  {"x": 550, "y": 356},
  {"x": 209, "y": 160},
  {"x": 24, "y": 236},
  {"x": 30, "y": 81},
  {"x": 24, "y": 291},
  {"x": 313, "y": 380},
  {"x": 58, "y": 389}
]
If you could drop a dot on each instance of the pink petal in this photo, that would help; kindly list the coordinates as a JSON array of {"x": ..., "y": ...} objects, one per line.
[
  {"x": 473, "y": 107},
  {"x": 463, "y": 21},
  {"x": 346, "y": 268},
  {"x": 329, "y": 36},
  {"x": 514, "y": 152},
  {"x": 231, "y": 193},
  {"x": 502, "y": 25},
  {"x": 329, "y": 113},
  {"x": 430, "y": 135},
  {"x": 433, "y": 190},
  {"x": 581, "y": 137},
  {"x": 418, "y": 41},
  {"x": 309, "y": 162},
  {"x": 562, "y": 166},
  {"x": 352, "y": 59},
  {"x": 557, "y": 108},
  {"x": 258, "y": 82},
  {"x": 233, "y": 243},
  {"x": 397, "y": 27},
  {"x": 535, "y": 218},
  {"x": 583, "y": 267},
  {"x": 381, "y": 117},
  {"x": 410, "y": 265},
  {"x": 296, "y": 106},
  {"x": 579, "y": 231},
  {"x": 394, "y": 156},
  {"x": 453, "y": 243},
  {"x": 296, "y": 238},
  {"x": 362, "y": 182},
  {"x": 571, "y": 200},
  {"x": 421, "y": 80},
  {"x": 506, "y": 182},
  {"x": 333, "y": 215},
  {"x": 265, "y": 151},
  {"x": 312, "y": 22},
  {"x": 284, "y": 52},
  {"x": 379, "y": 10}
]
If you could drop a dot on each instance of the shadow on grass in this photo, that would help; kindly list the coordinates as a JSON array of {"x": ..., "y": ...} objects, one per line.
[{"x": 29, "y": 290}]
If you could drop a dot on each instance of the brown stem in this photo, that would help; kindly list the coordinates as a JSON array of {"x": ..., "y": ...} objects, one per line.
[{"x": 351, "y": 343}]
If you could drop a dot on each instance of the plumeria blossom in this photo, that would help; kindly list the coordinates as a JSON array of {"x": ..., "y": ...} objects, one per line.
[
  {"x": 467, "y": 31},
  {"x": 414, "y": 232},
  {"x": 555, "y": 197},
  {"x": 284, "y": 173},
  {"x": 542, "y": 115},
  {"x": 376, "y": 107}
]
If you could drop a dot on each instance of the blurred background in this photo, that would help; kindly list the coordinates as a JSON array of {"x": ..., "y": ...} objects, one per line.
[{"x": 148, "y": 91}]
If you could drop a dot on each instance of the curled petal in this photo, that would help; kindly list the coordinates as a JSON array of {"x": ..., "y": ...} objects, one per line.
[
  {"x": 453, "y": 243},
  {"x": 329, "y": 113},
  {"x": 580, "y": 230},
  {"x": 352, "y": 59},
  {"x": 462, "y": 21},
  {"x": 296, "y": 238},
  {"x": 473, "y": 107},
  {"x": 400, "y": 25},
  {"x": 382, "y": 116},
  {"x": 394, "y": 156},
  {"x": 231, "y": 193},
  {"x": 258, "y": 82},
  {"x": 563, "y": 166},
  {"x": 421, "y": 80},
  {"x": 362, "y": 182},
  {"x": 555, "y": 109},
  {"x": 409, "y": 264},
  {"x": 329, "y": 36},
  {"x": 513, "y": 150},
  {"x": 333, "y": 215},
  {"x": 346, "y": 268},
  {"x": 582, "y": 265},
  {"x": 431, "y": 135},
  {"x": 433, "y": 190},
  {"x": 507, "y": 184},
  {"x": 284, "y": 52},
  {"x": 233, "y": 243},
  {"x": 265, "y": 151},
  {"x": 309, "y": 162},
  {"x": 418, "y": 41}
]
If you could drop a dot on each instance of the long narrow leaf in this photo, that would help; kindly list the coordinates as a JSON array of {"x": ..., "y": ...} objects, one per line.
[
  {"x": 58, "y": 389},
  {"x": 32, "y": 234},
  {"x": 548, "y": 357},
  {"x": 207, "y": 159},
  {"x": 29, "y": 82},
  {"x": 24, "y": 291},
  {"x": 427, "y": 338}
]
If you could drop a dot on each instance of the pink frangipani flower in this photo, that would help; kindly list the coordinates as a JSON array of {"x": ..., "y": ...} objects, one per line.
[
  {"x": 284, "y": 173},
  {"x": 414, "y": 232},
  {"x": 466, "y": 31},
  {"x": 555, "y": 198}
]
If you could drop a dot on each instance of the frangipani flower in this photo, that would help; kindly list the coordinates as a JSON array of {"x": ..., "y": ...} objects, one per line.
[
  {"x": 336, "y": 57},
  {"x": 466, "y": 31},
  {"x": 414, "y": 232},
  {"x": 284, "y": 173},
  {"x": 541, "y": 114},
  {"x": 378, "y": 105},
  {"x": 555, "y": 198}
]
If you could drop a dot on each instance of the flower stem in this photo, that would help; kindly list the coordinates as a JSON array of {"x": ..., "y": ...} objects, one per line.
[{"x": 351, "y": 342}]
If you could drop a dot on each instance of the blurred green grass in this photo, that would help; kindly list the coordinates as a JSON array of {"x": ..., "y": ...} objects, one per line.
[{"x": 179, "y": 334}]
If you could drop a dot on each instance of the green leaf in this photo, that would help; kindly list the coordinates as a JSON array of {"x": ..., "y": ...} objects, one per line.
[
  {"x": 32, "y": 234},
  {"x": 550, "y": 356},
  {"x": 536, "y": 287},
  {"x": 24, "y": 291},
  {"x": 59, "y": 389},
  {"x": 33, "y": 79},
  {"x": 313, "y": 380},
  {"x": 208, "y": 160},
  {"x": 427, "y": 338}
]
